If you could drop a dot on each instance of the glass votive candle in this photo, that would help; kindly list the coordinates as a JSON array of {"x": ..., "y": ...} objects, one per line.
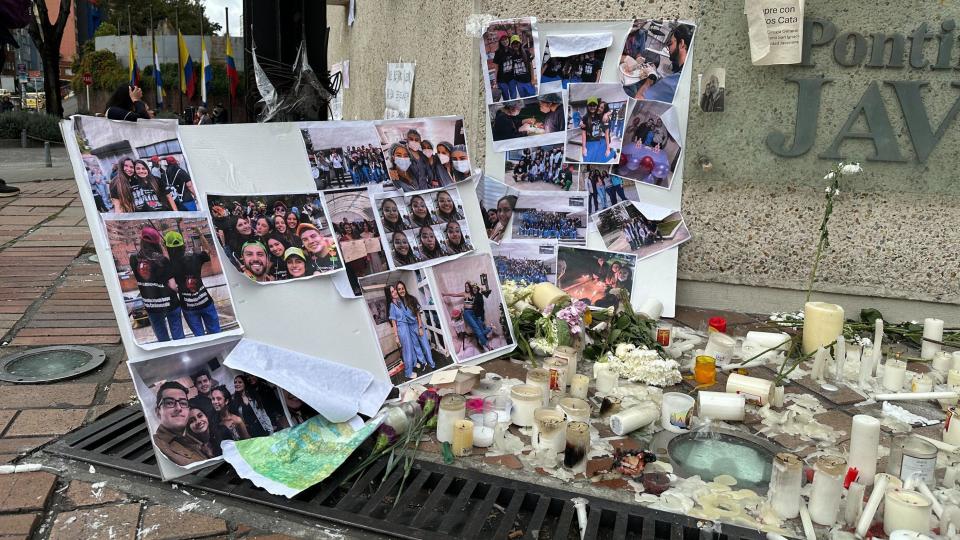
[
  {"x": 499, "y": 404},
  {"x": 606, "y": 379},
  {"x": 558, "y": 372},
  {"x": 462, "y": 438},
  {"x": 540, "y": 378},
  {"x": 452, "y": 408},
  {"x": 577, "y": 444},
  {"x": 572, "y": 356},
  {"x": 705, "y": 370},
  {"x": 526, "y": 399},
  {"x": 579, "y": 386},
  {"x": 575, "y": 409},
  {"x": 484, "y": 427},
  {"x": 549, "y": 430}
]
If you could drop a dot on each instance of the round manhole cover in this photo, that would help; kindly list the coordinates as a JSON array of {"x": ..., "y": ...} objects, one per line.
[{"x": 46, "y": 364}]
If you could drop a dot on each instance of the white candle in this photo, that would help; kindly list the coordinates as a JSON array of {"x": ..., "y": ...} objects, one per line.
[
  {"x": 720, "y": 406},
  {"x": 921, "y": 383},
  {"x": 526, "y": 400},
  {"x": 720, "y": 346},
  {"x": 866, "y": 368},
  {"x": 809, "y": 533},
  {"x": 540, "y": 378},
  {"x": 906, "y": 510},
  {"x": 932, "y": 329},
  {"x": 876, "y": 497},
  {"x": 956, "y": 360},
  {"x": 572, "y": 356},
  {"x": 579, "y": 386},
  {"x": 854, "y": 506},
  {"x": 915, "y": 396},
  {"x": 755, "y": 390},
  {"x": 651, "y": 308},
  {"x": 484, "y": 427},
  {"x": 840, "y": 359},
  {"x": 633, "y": 418},
  {"x": 942, "y": 361},
  {"x": 819, "y": 363},
  {"x": 675, "y": 412},
  {"x": 785, "y": 480},
  {"x": 877, "y": 345},
  {"x": 557, "y": 367},
  {"x": 546, "y": 293},
  {"x": 452, "y": 408},
  {"x": 822, "y": 323},
  {"x": 894, "y": 374},
  {"x": 951, "y": 427},
  {"x": 606, "y": 380},
  {"x": 864, "y": 444},
  {"x": 953, "y": 378},
  {"x": 575, "y": 409},
  {"x": 827, "y": 490},
  {"x": 549, "y": 430}
]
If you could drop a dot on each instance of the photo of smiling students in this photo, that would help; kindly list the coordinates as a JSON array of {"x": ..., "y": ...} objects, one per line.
[
  {"x": 344, "y": 154},
  {"x": 425, "y": 153},
  {"x": 651, "y": 153},
  {"x": 418, "y": 228},
  {"x": 573, "y": 59},
  {"x": 352, "y": 216},
  {"x": 497, "y": 202},
  {"x": 596, "y": 114},
  {"x": 509, "y": 50},
  {"x": 653, "y": 58}
]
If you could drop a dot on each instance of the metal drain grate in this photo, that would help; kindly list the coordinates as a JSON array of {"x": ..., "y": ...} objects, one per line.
[{"x": 438, "y": 501}]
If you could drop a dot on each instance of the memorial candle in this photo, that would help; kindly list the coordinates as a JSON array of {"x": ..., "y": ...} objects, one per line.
[
  {"x": 877, "y": 346},
  {"x": 942, "y": 361},
  {"x": 827, "y": 490},
  {"x": 579, "y": 386},
  {"x": 572, "y": 355},
  {"x": 951, "y": 427},
  {"x": 932, "y": 329},
  {"x": 453, "y": 407},
  {"x": 840, "y": 360},
  {"x": 546, "y": 294},
  {"x": 785, "y": 483},
  {"x": 575, "y": 409},
  {"x": 864, "y": 444},
  {"x": 906, "y": 510},
  {"x": 549, "y": 430},
  {"x": 462, "y": 438},
  {"x": 526, "y": 399},
  {"x": 854, "y": 506},
  {"x": 558, "y": 369},
  {"x": 633, "y": 418},
  {"x": 577, "y": 444},
  {"x": 540, "y": 378},
  {"x": 606, "y": 380},
  {"x": 894, "y": 374},
  {"x": 822, "y": 323}
]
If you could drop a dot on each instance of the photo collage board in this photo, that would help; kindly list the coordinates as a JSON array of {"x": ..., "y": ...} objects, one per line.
[{"x": 583, "y": 144}]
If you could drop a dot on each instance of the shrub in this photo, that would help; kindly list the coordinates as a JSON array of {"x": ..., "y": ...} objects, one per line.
[
  {"x": 38, "y": 125},
  {"x": 12, "y": 123}
]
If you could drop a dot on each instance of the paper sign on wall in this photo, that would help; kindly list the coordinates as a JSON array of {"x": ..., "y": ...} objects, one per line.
[
  {"x": 399, "y": 89},
  {"x": 776, "y": 31}
]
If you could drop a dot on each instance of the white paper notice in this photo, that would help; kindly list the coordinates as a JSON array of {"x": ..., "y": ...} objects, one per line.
[
  {"x": 776, "y": 31},
  {"x": 399, "y": 90},
  {"x": 336, "y": 103}
]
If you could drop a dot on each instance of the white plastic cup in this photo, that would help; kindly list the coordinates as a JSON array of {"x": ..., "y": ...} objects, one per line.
[{"x": 675, "y": 412}]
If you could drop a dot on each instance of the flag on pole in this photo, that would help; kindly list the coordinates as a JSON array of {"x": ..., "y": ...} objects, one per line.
[
  {"x": 232, "y": 74},
  {"x": 206, "y": 70},
  {"x": 156, "y": 74},
  {"x": 188, "y": 79},
  {"x": 134, "y": 68}
]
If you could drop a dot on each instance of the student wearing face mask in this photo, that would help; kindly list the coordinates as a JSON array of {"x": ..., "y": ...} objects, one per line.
[
  {"x": 418, "y": 162},
  {"x": 401, "y": 168},
  {"x": 430, "y": 162},
  {"x": 461, "y": 163},
  {"x": 443, "y": 169}
]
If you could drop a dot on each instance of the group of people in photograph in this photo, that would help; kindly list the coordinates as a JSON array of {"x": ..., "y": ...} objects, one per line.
[
  {"x": 543, "y": 164},
  {"x": 578, "y": 68},
  {"x": 417, "y": 164},
  {"x": 497, "y": 220},
  {"x": 594, "y": 278},
  {"x": 275, "y": 243},
  {"x": 650, "y": 133},
  {"x": 408, "y": 325},
  {"x": 535, "y": 116},
  {"x": 138, "y": 185},
  {"x": 640, "y": 232},
  {"x": 522, "y": 270},
  {"x": 171, "y": 285},
  {"x": 423, "y": 224},
  {"x": 546, "y": 224},
  {"x": 349, "y": 166},
  {"x": 473, "y": 312},
  {"x": 604, "y": 188},
  {"x": 514, "y": 61},
  {"x": 599, "y": 130}
]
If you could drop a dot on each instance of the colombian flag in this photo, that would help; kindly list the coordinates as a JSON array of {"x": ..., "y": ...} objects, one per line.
[
  {"x": 156, "y": 75},
  {"x": 205, "y": 69},
  {"x": 188, "y": 79},
  {"x": 232, "y": 74},
  {"x": 134, "y": 68}
]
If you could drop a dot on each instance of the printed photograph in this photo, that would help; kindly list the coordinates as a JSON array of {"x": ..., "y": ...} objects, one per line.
[
  {"x": 420, "y": 229},
  {"x": 192, "y": 402},
  {"x": 473, "y": 307},
  {"x": 595, "y": 276},
  {"x": 510, "y": 51},
  {"x": 528, "y": 122},
  {"x": 596, "y": 115},
  {"x": 551, "y": 216},
  {"x": 351, "y": 215},
  {"x": 135, "y": 166},
  {"x": 585, "y": 67},
  {"x": 653, "y": 58},
  {"x": 344, "y": 154},
  {"x": 425, "y": 153},
  {"x": 526, "y": 261},
  {"x": 605, "y": 189},
  {"x": 712, "y": 90},
  {"x": 497, "y": 201},
  {"x": 275, "y": 238},
  {"x": 407, "y": 323},
  {"x": 540, "y": 168},
  {"x": 171, "y": 279},
  {"x": 643, "y": 230},
  {"x": 650, "y": 152}
]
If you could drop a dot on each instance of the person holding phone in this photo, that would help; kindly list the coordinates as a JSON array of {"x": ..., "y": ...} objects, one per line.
[{"x": 126, "y": 103}]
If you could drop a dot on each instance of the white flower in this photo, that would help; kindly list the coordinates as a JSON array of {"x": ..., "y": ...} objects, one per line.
[
  {"x": 624, "y": 349},
  {"x": 836, "y": 192},
  {"x": 829, "y": 176},
  {"x": 851, "y": 168},
  {"x": 644, "y": 366}
]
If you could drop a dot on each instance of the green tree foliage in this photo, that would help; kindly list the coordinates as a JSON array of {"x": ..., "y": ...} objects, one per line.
[
  {"x": 107, "y": 71},
  {"x": 115, "y": 11},
  {"x": 106, "y": 28}
]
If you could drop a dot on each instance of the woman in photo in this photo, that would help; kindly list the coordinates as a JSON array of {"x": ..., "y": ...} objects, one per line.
[
  {"x": 401, "y": 167},
  {"x": 504, "y": 212},
  {"x": 366, "y": 231},
  {"x": 446, "y": 208},
  {"x": 262, "y": 228},
  {"x": 293, "y": 221},
  {"x": 249, "y": 409},
  {"x": 277, "y": 246},
  {"x": 126, "y": 103},
  {"x": 461, "y": 163},
  {"x": 296, "y": 262},
  {"x": 595, "y": 134},
  {"x": 158, "y": 289},
  {"x": 408, "y": 330},
  {"x": 470, "y": 297},
  {"x": 503, "y": 59},
  {"x": 241, "y": 232},
  {"x": 402, "y": 253},
  {"x": 456, "y": 243},
  {"x": 419, "y": 213},
  {"x": 228, "y": 423},
  {"x": 199, "y": 426},
  {"x": 443, "y": 169},
  {"x": 429, "y": 247},
  {"x": 134, "y": 189},
  {"x": 522, "y": 68},
  {"x": 392, "y": 222},
  {"x": 281, "y": 229},
  {"x": 300, "y": 412},
  {"x": 430, "y": 162}
]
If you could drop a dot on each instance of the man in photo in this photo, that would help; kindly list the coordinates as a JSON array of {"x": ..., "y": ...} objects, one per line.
[
  {"x": 256, "y": 264},
  {"x": 321, "y": 252},
  {"x": 203, "y": 384},
  {"x": 199, "y": 310},
  {"x": 179, "y": 181},
  {"x": 172, "y": 437},
  {"x": 678, "y": 44},
  {"x": 712, "y": 98}
]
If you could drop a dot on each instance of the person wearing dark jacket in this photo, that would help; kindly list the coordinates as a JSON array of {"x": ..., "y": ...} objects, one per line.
[
  {"x": 158, "y": 289},
  {"x": 179, "y": 181},
  {"x": 198, "y": 306},
  {"x": 126, "y": 103}
]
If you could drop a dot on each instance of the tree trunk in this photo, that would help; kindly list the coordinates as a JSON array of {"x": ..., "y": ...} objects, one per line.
[
  {"x": 47, "y": 37},
  {"x": 51, "y": 80}
]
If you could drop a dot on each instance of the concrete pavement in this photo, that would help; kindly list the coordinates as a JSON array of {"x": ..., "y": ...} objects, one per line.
[{"x": 21, "y": 165}]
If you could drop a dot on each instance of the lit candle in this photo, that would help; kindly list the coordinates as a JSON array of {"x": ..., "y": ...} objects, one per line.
[
  {"x": 526, "y": 399},
  {"x": 854, "y": 506},
  {"x": 894, "y": 374},
  {"x": 864, "y": 444},
  {"x": 546, "y": 293},
  {"x": 452, "y": 408},
  {"x": 877, "y": 345},
  {"x": 951, "y": 427},
  {"x": 540, "y": 378},
  {"x": 822, "y": 323},
  {"x": 462, "y": 438},
  {"x": 827, "y": 490},
  {"x": 932, "y": 329},
  {"x": 633, "y": 418},
  {"x": 785, "y": 482},
  {"x": 549, "y": 430},
  {"x": 558, "y": 372},
  {"x": 606, "y": 379},
  {"x": 575, "y": 409},
  {"x": 579, "y": 386},
  {"x": 572, "y": 355},
  {"x": 921, "y": 383},
  {"x": 906, "y": 510},
  {"x": 577, "y": 444}
]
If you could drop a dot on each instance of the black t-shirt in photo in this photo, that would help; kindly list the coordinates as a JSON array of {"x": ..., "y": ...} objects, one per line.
[
  {"x": 145, "y": 199},
  {"x": 505, "y": 127},
  {"x": 186, "y": 272},
  {"x": 152, "y": 276},
  {"x": 504, "y": 61},
  {"x": 177, "y": 179},
  {"x": 594, "y": 127},
  {"x": 521, "y": 65}
]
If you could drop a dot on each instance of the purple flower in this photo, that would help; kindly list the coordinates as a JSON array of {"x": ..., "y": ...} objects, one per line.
[
  {"x": 428, "y": 401},
  {"x": 386, "y": 436}
]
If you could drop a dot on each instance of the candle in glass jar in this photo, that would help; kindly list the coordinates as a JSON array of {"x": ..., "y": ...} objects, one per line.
[
  {"x": 606, "y": 380},
  {"x": 453, "y": 407},
  {"x": 942, "y": 361},
  {"x": 540, "y": 378},
  {"x": 827, "y": 490},
  {"x": 894, "y": 374},
  {"x": 577, "y": 444},
  {"x": 572, "y": 356},
  {"x": 932, "y": 329},
  {"x": 462, "y": 438},
  {"x": 951, "y": 427},
  {"x": 579, "y": 386},
  {"x": 921, "y": 383},
  {"x": 526, "y": 399},
  {"x": 549, "y": 430},
  {"x": 484, "y": 427},
  {"x": 500, "y": 404},
  {"x": 705, "y": 370},
  {"x": 785, "y": 480},
  {"x": 558, "y": 372},
  {"x": 822, "y": 323},
  {"x": 906, "y": 510},
  {"x": 575, "y": 409},
  {"x": 864, "y": 445}
]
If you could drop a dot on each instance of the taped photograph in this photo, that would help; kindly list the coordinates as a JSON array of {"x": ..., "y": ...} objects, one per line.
[
  {"x": 171, "y": 278},
  {"x": 275, "y": 238},
  {"x": 573, "y": 58},
  {"x": 595, "y": 277},
  {"x": 596, "y": 114},
  {"x": 551, "y": 216},
  {"x": 425, "y": 153},
  {"x": 641, "y": 229},
  {"x": 509, "y": 50},
  {"x": 526, "y": 261},
  {"x": 344, "y": 154},
  {"x": 497, "y": 201},
  {"x": 528, "y": 122},
  {"x": 407, "y": 322},
  {"x": 713, "y": 85},
  {"x": 473, "y": 306},
  {"x": 135, "y": 166},
  {"x": 651, "y": 150},
  {"x": 423, "y": 228},
  {"x": 654, "y": 57},
  {"x": 605, "y": 189},
  {"x": 540, "y": 168},
  {"x": 351, "y": 214}
]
